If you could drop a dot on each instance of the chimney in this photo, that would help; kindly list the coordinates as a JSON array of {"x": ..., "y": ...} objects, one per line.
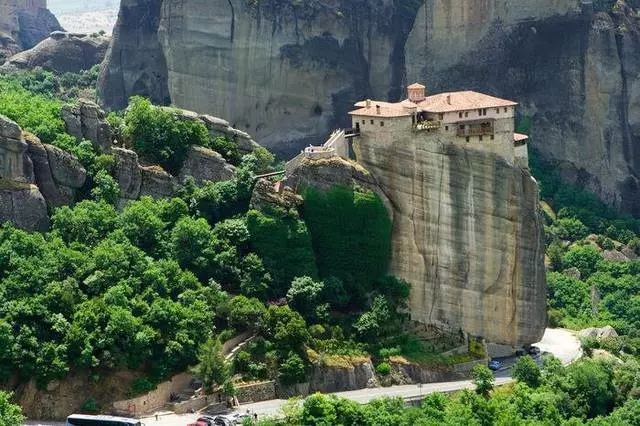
[
  {"x": 449, "y": 99},
  {"x": 368, "y": 102},
  {"x": 416, "y": 92},
  {"x": 378, "y": 109}
]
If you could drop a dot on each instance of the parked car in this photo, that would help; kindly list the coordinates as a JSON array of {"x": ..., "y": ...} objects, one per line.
[
  {"x": 494, "y": 364},
  {"x": 533, "y": 350},
  {"x": 204, "y": 421},
  {"x": 521, "y": 352}
]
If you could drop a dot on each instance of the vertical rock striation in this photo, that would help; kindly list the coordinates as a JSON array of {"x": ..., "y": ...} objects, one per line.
[
  {"x": 467, "y": 236},
  {"x": 288, "y": 72}
]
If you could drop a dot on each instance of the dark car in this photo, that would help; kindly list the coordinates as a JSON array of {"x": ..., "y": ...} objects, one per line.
[
  {"x": 494, "y": 365},
  {"x": 533, "y": 350},
  {"x": 521, "y": 352}
]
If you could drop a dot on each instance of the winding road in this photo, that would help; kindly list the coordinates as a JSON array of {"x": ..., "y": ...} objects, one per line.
[{"x": 563, "y": 344}]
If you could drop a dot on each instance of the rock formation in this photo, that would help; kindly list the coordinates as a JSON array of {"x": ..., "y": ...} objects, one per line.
[
  {"x": 26, "y": 22},
  {"x": 8, "y": 47},
  {"x": 20, "y": 200},
  {"x": 205, "y": 164},
  {"x": 61, "y": 52},
  {"x": 288, "y": 72},
  {"x": 57, "y": 173},
  {"x": 466, "y": 234},
  {"x": 85, "y": 120}
]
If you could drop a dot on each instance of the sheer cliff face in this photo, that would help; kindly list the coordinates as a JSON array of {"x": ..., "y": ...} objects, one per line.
[
  {"x": 288, "y": 74},
  {"x": 466, "y": 234},
  {"x": 573, "y": 71},
  {"x": 282, "y": 71},
  {"x": 26, "y": 23}
]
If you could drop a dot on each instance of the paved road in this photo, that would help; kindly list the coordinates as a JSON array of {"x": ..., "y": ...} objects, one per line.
[{"x": 561, "y": 343}]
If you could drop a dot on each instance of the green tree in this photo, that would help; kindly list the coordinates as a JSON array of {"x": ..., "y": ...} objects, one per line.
[
  {"x": 292, "y": 370},
  {"x": 211, "y": 368},
  {"x": 87, "y": 223},
  {"x": 585, "y": 258},
  {"x": 526, "y": 370},
  {"x": 318, "y": 411},
  {"x": 105, "y": 188},
  {"x": 10, "y": 414},
  {"x": 351, "y": 235},
  {"x": 304, "y": 295},
  {"x": 283, "y": 243},
  {"x": 246, "y": 313},
  {"x": 483, "y": 379},
  {"x": 570, "y": 229},
  {"x": 161, "y": 134}
]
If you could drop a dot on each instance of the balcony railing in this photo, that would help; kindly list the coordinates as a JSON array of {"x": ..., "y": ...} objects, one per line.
[
  {"x": 475, "y": 131},
  {"x": 428, "y": 125}
]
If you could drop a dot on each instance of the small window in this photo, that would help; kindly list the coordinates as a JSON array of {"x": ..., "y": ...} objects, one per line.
[
  {"x": 371, "y": 121},
  {"x": 491, "y": 137},
  {"x": 466, "y": 114},
  {"x": 467, "y": 138},
  {"x": 484, "y": 111},
  {"x": 446, "y": 127},
  {"x": 479, "y": 112},
  {"x": 459, "y": 115},
  {"x": 363, "y": 121},
  {"x": 461, "y": 127},
  {"x": 497, "y": 110},
  {"x": 381, "y": 123},
  {"x": 505, "y": 110},
  {"x": 480, "y": 138},
  {"x": 441, "y": 116}
]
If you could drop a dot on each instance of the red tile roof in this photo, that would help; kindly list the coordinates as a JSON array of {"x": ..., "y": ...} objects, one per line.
[
  {"x": 460, "y": 101},
  {"x": 517, "y": 137}
]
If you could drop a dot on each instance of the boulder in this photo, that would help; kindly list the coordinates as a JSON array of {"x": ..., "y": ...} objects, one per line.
[
  {"x": 599, "y": 333},
  {"x": 24, "y": 205},
  {"x": 9, "y": 129},
  {"x": 204, "y": 164},
  {"x": 86, "y": 120},
  {"x": 614, "y": 256},
  {"x": 156, "y": 182},
  {"x": 128, "y": 173},
  {"x": 8, "y": 47},
  {"x": 267, "y": 193},
  {"x": 65, "y": 168},
  {"x": 572, "y": 272},
  {"x": 55, "y": 195},
  {"x": 61, "y": 52}
]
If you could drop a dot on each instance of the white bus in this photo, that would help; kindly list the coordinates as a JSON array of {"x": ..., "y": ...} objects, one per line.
[{"x": 87, "y": 420}]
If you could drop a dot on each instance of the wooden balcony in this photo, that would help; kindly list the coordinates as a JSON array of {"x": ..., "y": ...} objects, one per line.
[{"x": 475, "y": 129}]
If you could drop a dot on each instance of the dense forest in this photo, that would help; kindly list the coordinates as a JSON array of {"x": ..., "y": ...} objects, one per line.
[{"x": 158, "y": 285}]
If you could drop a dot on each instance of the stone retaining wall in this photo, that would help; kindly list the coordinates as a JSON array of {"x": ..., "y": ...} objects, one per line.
[{"x": 256, "y": 392}]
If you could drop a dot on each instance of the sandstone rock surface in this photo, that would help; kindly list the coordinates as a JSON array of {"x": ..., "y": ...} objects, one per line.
[
  {"x": 24, "y": 205},
  {"x": 467, "y": 236},
  {"x": 599, "y": 333},
  {"x": 289, "y": 72},
  {"x": 61, "y": 52},
  {"x": 205, "y": 165},
  {"x": 86, "y": 120}
]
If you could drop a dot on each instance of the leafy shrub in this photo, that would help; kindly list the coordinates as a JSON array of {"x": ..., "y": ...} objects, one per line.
[
  {"x": 570, "y": 229},
  {"x": 160, "y": 134},
  {"x": 281, "y": 239},
  {"x": 141, "y": 386},
  {"x": 292, "y": 370},
  {"x": 90, "y": 405},
  {"x": 383, "y": 369},
  {"x": 584, "y": 258},
  {"x": 351, "y": 235}
]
